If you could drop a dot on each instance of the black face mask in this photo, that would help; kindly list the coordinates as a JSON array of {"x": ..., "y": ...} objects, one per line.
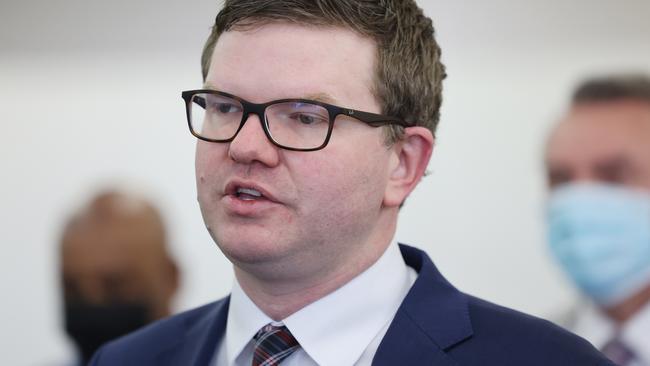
[{"x": 90, "y": 326}]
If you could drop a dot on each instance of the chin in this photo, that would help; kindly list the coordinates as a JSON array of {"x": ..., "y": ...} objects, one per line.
[{"x": 246, "y": 250}]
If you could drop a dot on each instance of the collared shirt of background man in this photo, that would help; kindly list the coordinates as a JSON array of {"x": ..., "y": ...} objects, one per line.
[
  {"x": 315, "y": 122},
  {"x": 598, "y": 166}
]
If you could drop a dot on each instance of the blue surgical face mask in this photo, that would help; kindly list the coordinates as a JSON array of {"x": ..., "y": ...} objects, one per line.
[{"x": 600, "y": 235}]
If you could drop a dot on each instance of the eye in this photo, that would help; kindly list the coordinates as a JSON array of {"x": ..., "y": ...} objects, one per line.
[
  {"x": 218, "y": 104},
  {"x": 308, "y": 114},
  {"x": 71, "y": 287},
  {"x": 308, "y": 119},
  {"x": 558, "y": 176},
  {"x": 298, "y": 114},
  {"x": 225, "y": 108}
]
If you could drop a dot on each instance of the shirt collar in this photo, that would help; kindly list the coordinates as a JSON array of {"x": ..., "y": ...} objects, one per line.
[
  {"x": 593, "y": 325},
  {"x": 635, "y": 333},
  {"x": 597, "y": 328},
  {"x": 244, "y": 320},
  {"x": 351, "y": 316}
]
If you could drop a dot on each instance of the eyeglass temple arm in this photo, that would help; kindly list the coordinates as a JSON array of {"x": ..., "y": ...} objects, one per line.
[
  {"x": 189, "y": 98},
  {"x": 200, "y": 101},
  {"x": 373, "y": 119}
]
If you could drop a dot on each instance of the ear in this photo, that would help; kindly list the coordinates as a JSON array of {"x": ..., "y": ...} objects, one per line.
[
  {"x": 407, "y": 166},
  {"x": 174, "y": 278},
  {"x": 169, "y": 282}
]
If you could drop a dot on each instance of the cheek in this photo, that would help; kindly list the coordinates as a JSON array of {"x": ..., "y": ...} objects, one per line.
[
  {"x": 206, "y": 161},
  {"x": 201, "y": 161},
  {"x": 346, "y": 181}
]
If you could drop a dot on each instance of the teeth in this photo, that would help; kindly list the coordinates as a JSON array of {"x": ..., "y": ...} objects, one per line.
[{"x": 248, "y": 191}]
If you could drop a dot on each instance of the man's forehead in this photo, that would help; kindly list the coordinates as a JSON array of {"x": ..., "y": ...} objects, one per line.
[
  {"x": 317, "y": 96},
  {"x": 600, "y": 131},
  {"x": 633, "y": 110},
  {"x": 292, "y": 36},
  {"x": 629, "y": 118},
  {"x": 295, "y": 61},
  {"x": 117, "y": 239}
]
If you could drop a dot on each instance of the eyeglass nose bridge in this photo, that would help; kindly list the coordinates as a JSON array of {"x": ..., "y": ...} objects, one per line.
[{"x": 260, "y": 111}]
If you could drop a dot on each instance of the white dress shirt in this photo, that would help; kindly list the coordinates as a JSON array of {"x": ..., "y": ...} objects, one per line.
[
  {"x": 342, "y": 328},
  {"x": 591, "y": 324}
]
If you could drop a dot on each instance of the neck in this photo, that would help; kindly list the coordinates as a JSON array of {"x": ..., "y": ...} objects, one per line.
[
  {"x": 622, "y": 312},
  {"x": 283, "y": 295}
]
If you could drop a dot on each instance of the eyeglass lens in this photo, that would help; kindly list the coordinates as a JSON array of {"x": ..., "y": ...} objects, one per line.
[{"x": 291, "y": 124}]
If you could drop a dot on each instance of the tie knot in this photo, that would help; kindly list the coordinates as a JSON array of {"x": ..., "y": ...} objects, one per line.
[{"x": 272, "y": 345}]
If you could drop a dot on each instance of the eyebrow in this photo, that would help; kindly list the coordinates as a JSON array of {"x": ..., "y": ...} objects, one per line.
[
  {"x": 209, "y": 86},
  {"x": 616, "y": 164},
  {"x": 318, "y": 97},
  {"x": 321, "y": 97}
]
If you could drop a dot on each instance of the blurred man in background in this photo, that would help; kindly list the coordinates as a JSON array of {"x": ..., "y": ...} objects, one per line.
[
  {"x": 117, "y": 273},
  {"x": 598, "y": 166}
]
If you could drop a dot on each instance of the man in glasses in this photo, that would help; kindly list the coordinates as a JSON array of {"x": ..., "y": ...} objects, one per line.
[{"x": 315, "y": 121}]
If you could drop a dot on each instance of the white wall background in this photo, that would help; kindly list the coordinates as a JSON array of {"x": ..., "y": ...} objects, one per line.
[{"x": 90, "y": 96}]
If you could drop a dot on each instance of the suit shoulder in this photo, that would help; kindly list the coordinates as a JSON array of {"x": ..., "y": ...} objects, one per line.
[
  {"x": 520, "y": 338},
  {"x": 151, "y": 342}
]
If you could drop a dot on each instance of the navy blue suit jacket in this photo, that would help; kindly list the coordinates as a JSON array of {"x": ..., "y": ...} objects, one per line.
[{"x": 435, "y": 325}]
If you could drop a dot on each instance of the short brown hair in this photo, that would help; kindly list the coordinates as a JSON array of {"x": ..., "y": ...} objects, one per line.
[
  {"x": 613, "y": 88},
  {"x": 409, "y": 73}
]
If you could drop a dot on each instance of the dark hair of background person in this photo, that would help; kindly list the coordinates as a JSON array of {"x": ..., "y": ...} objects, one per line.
[
  {"x": 613, "y": 88},
  {"x": 409, "y": 73}
]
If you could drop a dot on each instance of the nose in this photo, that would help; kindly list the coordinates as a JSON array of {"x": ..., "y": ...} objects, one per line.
[{"x": 251, "y": 144}]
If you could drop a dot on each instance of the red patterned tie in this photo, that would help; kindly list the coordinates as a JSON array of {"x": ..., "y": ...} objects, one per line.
[{"x": 272, "y": 345}]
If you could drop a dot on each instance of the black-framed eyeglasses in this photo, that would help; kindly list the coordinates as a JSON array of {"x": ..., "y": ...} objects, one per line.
[{"x": 292, "y": 124}]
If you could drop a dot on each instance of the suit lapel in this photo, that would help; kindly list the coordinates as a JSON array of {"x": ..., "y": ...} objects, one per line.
[
  {"x": 432, "y": 318},
  {"x": 406, "y": 344},
  {"x": 201, "y": 339}
]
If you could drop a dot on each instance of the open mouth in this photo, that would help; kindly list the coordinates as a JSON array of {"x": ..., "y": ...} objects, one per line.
[{"x": 248, "y": 194}]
